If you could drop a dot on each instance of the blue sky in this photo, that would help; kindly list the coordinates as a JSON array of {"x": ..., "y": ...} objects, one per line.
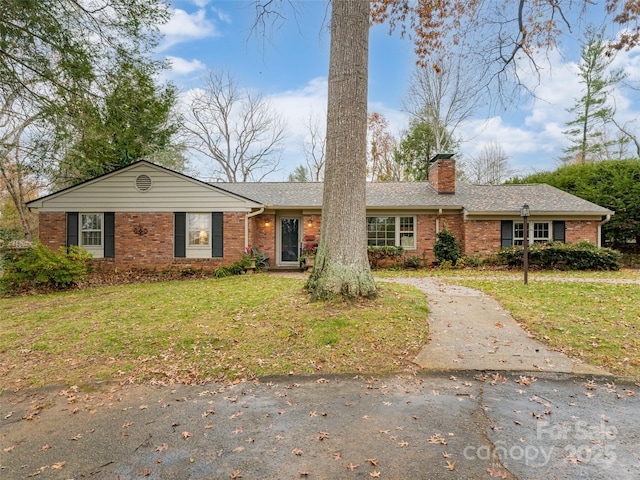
[{"x": 289, "y": 66}]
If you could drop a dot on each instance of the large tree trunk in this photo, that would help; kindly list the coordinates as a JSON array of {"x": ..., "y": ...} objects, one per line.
[{"x": 342, "y": 266}]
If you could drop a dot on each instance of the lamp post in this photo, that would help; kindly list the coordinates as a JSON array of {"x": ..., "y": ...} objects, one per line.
[{"x": 524, "y": 212}]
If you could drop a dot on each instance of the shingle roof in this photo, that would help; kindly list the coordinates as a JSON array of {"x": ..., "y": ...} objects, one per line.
[{"x": 473, "y": 198}]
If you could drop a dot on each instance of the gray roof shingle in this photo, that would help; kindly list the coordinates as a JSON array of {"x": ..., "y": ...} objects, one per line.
[{"x": 473, "y": 198}]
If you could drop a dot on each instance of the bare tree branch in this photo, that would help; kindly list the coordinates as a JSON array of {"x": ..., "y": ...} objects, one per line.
[{"x": 237, "y": 130}]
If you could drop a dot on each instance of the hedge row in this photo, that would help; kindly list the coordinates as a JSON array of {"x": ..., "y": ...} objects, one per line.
[{"x": 563, "y": 256}]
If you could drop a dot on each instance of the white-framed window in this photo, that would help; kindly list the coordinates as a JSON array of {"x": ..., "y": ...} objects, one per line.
[
  {"x": 198, "y": 229},
  {"x": 91, "y": 229},
  {"x": 539, "y": 232},
  {"x": 391, "y": 231}
]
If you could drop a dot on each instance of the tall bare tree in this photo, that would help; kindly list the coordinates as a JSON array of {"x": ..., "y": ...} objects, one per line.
[
  {"x": 314, "y": 152},
  {"x": 490, "y": 167},
  {"x": 314, "y": 148},
  {"x": 19, "y": 123},
  {"x": 442, "y": 95},
  {"x": 235, "y": 128},
  {"x": 382, "y": 164}
]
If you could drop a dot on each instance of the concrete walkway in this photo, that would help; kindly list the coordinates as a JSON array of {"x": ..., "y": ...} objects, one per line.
[{"x": 472, "y": 331}]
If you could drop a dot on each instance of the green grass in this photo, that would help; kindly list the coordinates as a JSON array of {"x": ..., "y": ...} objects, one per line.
[
  {"x": 624, "y": 274},
  {"x": 595, "y": 321},
  {"x": 201, "y": 330}
]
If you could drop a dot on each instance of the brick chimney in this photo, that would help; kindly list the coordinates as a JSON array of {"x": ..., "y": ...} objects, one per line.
[{"x": 442, "y": 173}]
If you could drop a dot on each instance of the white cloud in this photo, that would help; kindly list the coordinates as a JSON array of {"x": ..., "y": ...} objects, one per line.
[
  {"x": 181, "y": 66},
  {"x": 184, "y": 27},
  {"x": 297, "y": 105}
]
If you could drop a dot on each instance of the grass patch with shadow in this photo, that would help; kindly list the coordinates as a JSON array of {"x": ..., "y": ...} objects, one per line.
[{"x": 202, "y": 330}]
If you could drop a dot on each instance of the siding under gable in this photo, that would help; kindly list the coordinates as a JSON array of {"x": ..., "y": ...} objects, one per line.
[{"x": 168, "y": 193}]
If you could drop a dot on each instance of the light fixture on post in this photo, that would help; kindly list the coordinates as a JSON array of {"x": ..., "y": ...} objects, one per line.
[{"x": 524, "y": 213}]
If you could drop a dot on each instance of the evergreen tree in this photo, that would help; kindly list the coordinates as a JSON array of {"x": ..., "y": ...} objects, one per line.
[{"x": 588, "y": 129}]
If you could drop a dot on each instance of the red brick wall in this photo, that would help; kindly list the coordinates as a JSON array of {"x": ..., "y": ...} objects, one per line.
[
  {"x": 145, "y": 240},
  {"x": 262, "y": 235},
  {"x": 482, "y": 237},
  {"x": 579, "y": 230},
  {"x": 311, "y": 229},
  {"x": 52, "y": 229}
]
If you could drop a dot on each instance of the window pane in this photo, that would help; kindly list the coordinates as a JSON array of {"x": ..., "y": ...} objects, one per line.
[
  {"x": 91, "y": 221},
  {"x": 541, "y": 232},
  {"x": 407, "y": 234},
  {"x": 381, "y": 231},
  {"x": 91, "y": 239},
  {"x": 199, "y": 228},
  {"x": 91, "y": 229}
]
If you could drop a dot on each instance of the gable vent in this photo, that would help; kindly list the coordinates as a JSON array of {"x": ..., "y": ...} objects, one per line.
[{"x": 143, "y": 183}]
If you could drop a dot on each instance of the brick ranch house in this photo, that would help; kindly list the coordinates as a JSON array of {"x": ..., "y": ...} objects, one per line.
[{"x": 145, "y": 216}]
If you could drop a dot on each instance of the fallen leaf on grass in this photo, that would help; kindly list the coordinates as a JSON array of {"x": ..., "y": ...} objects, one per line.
[
  {"x": 146, "y": 473},
  {"x": 296, "y": 451},
  {"x": 375, "y": 474},
  {"x": 127, "y": 425},
  {"x": 161, "y": 448},
  {"x": 322, "y": 435},
  {"x": 238, "y": 449},
  {"x": 352, "y": 466},
  {"x": 186, "y": 435},
  {"x": 58, "y": 466},
  {"x": 9, "y": 449},
  {"x": 373, "y": 461},
  {"x": 451, "y": 466},
  {"x": 235, "y": 474}
]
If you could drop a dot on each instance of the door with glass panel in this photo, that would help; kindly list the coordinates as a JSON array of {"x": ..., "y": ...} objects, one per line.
[{"x": 289, "y": 240}]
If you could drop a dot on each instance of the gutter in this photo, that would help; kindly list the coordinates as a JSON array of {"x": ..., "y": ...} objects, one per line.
[
  {"x": 246, "y": 224},
  {"x": 606, "y": 219}
]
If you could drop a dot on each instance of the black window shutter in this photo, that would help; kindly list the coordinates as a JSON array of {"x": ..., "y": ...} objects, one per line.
[
  {"x": 558, "y": 231},
  {"x": 72, "y": 228},
  {"x": 217, "y": 234},
  {"x": 109, "y": 234},
  {"x": 506, "y": 235},
  {"x": 180, "y": 235}
]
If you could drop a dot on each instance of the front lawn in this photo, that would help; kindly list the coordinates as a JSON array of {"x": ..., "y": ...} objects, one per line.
[
  {"x": 201, "y": 330},
  {"x": 597, "y": 322}
]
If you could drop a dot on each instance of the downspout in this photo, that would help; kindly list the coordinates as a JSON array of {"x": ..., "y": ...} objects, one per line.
[
  {"x": 606, "y": 219},
  {"x": 438, "y": 220},
  {"x": 246, "y": 224}
]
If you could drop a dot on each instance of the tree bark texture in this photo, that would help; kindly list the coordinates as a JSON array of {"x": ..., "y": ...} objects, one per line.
[{"x": 342, "y": 267}]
